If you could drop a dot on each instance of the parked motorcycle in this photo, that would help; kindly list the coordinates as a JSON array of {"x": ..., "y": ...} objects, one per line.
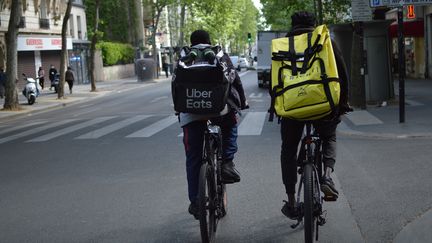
[
  {"x": 55, "y": 82},
  {"x": 31, "y": 89}
]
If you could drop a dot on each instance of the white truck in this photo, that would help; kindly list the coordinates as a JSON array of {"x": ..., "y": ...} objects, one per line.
[{"x": 264, "y": 55}]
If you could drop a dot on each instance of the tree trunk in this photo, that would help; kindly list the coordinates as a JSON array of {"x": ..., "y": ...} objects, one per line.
[
  {"x": 11, "y": 94},
  {"x": 182, "y": 23},
  {"x": 155, "y": 54},
  {"x": 64, "y": 54},
  {"x": 93, "y": 48}
]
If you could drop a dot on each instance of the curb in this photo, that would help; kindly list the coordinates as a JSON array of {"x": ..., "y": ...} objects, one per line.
[{"x": 344, "y": 129}]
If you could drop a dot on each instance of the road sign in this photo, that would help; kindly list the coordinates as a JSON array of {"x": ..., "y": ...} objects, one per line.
[
  {"x": 378, "y": 3},
  {"x": 396, "y": 3},
  {"x": 361, "y": 11}
]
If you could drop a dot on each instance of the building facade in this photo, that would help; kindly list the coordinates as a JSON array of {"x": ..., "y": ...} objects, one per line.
[{"x": 39, "y": 38}]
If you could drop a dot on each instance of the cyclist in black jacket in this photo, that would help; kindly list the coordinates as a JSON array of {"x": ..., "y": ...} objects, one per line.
[
  {"x": 194, "y": 125},
  {"x": 291, "y": 130}
]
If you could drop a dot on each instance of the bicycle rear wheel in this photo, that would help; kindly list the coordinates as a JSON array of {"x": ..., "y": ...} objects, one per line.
[
  {"x": 206, "y": 201},
  {"x": 310, "y": 219}
]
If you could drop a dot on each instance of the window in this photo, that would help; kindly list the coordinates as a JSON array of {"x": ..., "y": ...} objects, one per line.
[
  {"x": 44, "y": 22},
  {"x": 71, "y": 26},
  {"x": 79, "y": 27}
]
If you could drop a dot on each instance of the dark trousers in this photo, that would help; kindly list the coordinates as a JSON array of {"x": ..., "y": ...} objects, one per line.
[
  {"x": 165, "y": 68},
  {"x": 193, "y": 136},
  {"x": 42, "y": 82},
  {"x": 291, "y": 133},
  {"x": 70, "y": 83}
]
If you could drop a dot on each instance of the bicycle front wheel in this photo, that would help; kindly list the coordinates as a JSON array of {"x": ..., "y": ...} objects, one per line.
[
  {"x": 206, "y": 201},
  {"x": 310, "y": 219}
]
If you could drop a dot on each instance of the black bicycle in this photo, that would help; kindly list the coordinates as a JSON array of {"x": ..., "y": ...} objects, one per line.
[
  {"x": 212, "y": 197},
  {"x": 311, "y": 171}
]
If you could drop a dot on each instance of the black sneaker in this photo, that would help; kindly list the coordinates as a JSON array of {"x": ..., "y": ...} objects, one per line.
[
  {"x": 229, "y": 174},
  {"x": 329, "y": 189},
  {"x": 194, "y": 210},
  {"x": 290, "y": 211}
]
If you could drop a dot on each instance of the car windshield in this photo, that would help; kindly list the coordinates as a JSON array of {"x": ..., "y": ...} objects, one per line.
[{"x": 234, "y": 59}]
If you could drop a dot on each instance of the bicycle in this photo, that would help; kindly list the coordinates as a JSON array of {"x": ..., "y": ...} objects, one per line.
[
  {"x": 310, "y": 170},
  {"x": 212, "y": 197}
]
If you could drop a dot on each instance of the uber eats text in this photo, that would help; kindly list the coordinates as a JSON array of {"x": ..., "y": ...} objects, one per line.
[{"x": 197, "y": 99}]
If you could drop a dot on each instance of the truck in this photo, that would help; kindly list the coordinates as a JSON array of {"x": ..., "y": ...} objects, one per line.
[{"x": 264, "y": 55}]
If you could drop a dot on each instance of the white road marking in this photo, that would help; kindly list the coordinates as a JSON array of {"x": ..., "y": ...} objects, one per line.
[
  {"x": 158, "y": 99},
  {"x": 113, "y": 127},
  {"x": 252, "y": 124},
  {"x": 11, "y": 129},
  {"x": 35, "y": 130},
  {"x": 70, "y": 129},
  {"x": 154, "y": 128},
  {"x": 363, "y": 117}
]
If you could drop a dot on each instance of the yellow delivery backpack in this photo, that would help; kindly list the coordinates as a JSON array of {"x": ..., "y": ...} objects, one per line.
[{"x": 304, "y": 76}]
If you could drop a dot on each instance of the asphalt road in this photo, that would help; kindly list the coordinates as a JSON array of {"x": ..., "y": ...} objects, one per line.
[{"x": 113, "y": 170}]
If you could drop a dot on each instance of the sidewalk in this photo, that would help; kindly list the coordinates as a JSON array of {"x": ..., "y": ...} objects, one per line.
[
  {"x": 383, "y": 120},
  {"x": 48, "y": 100}
]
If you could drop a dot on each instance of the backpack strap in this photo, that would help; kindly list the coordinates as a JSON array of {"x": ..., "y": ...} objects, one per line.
[{"x": 293, "y": 56}]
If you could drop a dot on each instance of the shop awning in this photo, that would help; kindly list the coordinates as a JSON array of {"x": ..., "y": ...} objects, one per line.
[{"x": 410, "y": 29}]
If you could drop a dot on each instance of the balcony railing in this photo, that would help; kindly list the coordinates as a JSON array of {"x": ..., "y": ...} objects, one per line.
[
  {"x": 44, "y": 23},
  {"x": 22, "y": 23}
]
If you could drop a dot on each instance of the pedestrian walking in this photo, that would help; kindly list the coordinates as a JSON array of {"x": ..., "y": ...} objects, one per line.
[
  {"x": 2, "y": 83},
  {"x": 41, "y": 76},
  {"x": 52, "y": 73},
  {"x": 165, "y": 64},
  {"x": 70, "y": 78}
]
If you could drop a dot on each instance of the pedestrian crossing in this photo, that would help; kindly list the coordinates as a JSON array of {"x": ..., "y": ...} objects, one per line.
[{"x": 251, "y": 123}]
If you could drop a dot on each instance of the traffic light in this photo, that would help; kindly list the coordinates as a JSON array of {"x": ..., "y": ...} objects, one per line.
[{"x": 249, "y": 37}]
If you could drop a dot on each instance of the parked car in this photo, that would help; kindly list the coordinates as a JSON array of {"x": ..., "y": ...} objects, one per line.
[
  {"x": 235, "y": 62},
  {"x": 243, "y": 62}
]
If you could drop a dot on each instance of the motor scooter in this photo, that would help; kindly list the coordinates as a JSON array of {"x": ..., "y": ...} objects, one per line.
[
  {"x": 55, "y": 82},
  {"x": 31, "y": 90}
]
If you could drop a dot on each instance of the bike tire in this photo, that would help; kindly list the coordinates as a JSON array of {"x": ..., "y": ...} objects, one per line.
[
  {"x": 206, "y": 199},
  {"x": 310, "y": 218}
]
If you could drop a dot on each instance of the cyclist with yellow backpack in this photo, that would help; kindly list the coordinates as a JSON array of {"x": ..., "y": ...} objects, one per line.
[{"x": 323, "y": 80}]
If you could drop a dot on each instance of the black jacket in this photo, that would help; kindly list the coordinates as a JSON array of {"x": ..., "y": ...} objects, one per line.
[{"x": 340, "y": 63}]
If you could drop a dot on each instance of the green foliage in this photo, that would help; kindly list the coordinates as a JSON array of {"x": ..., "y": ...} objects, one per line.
[
  {"x": 227, "y": 22},
  {"x": 115, "y": 17},
  {"x": 116, "y": 53},
  {"x": 278, "y": 12}
]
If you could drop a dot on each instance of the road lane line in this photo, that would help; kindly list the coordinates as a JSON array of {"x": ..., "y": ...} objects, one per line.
[
  {"x": 11, "y": 129},
  {"x": 35, "y": 130},
  {"x": 70, "y": 129},
  {"x": 252, "y": 124},
  {"x": 113, "y": 127},
  {"x": 154, "y": 128}
]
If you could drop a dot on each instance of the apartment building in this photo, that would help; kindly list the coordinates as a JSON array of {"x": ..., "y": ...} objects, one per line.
[{"x": 39, "y": 38}]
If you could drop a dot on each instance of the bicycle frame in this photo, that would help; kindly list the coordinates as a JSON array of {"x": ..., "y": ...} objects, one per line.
[
  {"x": 310, "y": 155},
  {"x": 212, "y": 202}
]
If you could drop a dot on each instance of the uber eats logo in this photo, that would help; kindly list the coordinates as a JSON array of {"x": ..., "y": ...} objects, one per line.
[{"x": 197, "y": 99}]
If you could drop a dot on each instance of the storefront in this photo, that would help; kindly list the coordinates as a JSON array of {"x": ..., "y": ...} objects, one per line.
[{"x": 39, "y": 51}]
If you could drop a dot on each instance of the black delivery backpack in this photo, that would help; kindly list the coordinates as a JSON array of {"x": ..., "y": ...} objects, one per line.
[{"x": 200, "y": 82}]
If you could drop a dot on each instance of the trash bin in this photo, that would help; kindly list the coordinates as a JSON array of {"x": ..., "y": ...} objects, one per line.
[{"x": 145, "y": 69}]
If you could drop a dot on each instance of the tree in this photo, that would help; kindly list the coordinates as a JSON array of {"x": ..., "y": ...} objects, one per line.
[
  {"x": 63, "y": 60},
  {"x": 11, "y": 99},
  {"x": 278, "y": 12},
  {"x": 94, "y": 40},
  {"x": 157, "y": 6}
]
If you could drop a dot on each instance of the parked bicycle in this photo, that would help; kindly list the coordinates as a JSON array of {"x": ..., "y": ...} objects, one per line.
[
  {"x": 310, "y": 165},
  {"x": 212, "y": 197}
]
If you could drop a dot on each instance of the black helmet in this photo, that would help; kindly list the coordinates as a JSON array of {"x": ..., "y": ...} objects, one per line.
[{"x": 303, "y": 18}]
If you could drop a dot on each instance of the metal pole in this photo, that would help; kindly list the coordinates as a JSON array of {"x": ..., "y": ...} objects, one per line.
[{"x": 401, "y": 45}]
